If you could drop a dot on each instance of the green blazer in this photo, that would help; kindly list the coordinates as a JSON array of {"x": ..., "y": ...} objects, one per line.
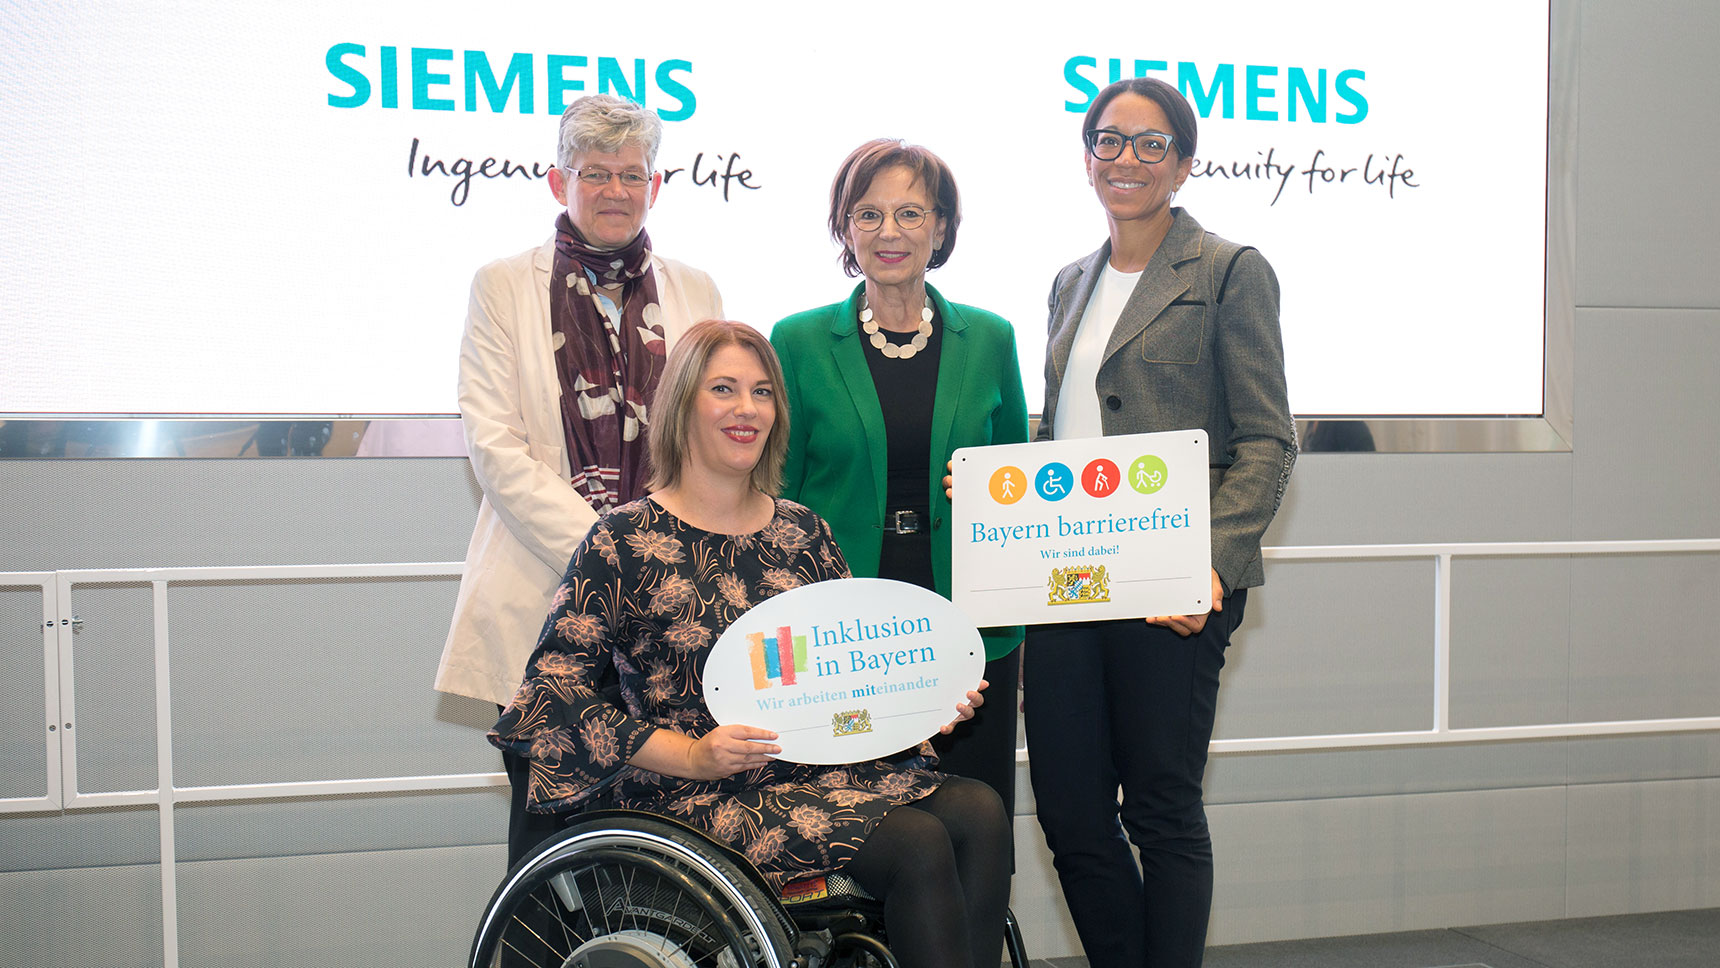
[{"x": 836, "y": 458}]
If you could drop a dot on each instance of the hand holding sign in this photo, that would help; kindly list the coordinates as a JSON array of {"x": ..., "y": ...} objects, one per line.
[
  {"x": 1187, "y": 625},
  {"x": 846, "y": 671},
  {"x": 964, "y": 710},
  {"x": 731, "y": 749},
  {"x": 1081, "y": 530}
]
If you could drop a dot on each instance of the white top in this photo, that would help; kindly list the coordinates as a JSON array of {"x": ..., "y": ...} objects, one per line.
[{"x": 1078, "y": 405}]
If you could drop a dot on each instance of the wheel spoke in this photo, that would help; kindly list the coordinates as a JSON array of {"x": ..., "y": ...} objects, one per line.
[
  {"x": 561, "y": 918},
  {"x": 535, "y": 963},
  {"x": 596, "y": 876},
  {"x": 675, "y": 912},
  {"x": 659, "y": 895},
  {"x": 541, "y": 939}
]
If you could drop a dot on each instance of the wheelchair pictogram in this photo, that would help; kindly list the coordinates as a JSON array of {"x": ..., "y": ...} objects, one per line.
[{"x": 1054, "y": 481}]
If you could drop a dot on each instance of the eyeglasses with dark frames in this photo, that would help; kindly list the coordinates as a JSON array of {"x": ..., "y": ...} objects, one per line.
[
  {"x": 598, "y": 177},
  {"x": 1106, "y": 144}
]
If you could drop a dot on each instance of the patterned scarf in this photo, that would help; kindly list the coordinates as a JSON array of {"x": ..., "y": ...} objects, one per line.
[{"x": 607, "y": 376}]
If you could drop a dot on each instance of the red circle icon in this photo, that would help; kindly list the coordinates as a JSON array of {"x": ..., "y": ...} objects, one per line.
[{"x": 1100, "y": 478}]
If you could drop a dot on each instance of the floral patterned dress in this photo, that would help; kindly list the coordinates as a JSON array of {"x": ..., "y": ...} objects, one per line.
[{"x": 644, "y": 599}]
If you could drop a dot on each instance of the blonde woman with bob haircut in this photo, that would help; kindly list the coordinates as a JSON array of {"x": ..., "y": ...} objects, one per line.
[
  {"x": 648, "y": 593},
  {"x": 680, "y": 384}
]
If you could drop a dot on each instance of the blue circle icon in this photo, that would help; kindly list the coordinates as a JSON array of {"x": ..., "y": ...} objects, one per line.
[{"x": 1054, "y": 481}]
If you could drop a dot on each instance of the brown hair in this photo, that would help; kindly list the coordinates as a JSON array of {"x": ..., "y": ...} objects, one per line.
[
  {"x": 1169, "y": 100},
  {"x": 672, "y": 405},
  {"x": 864, "y": 163}
]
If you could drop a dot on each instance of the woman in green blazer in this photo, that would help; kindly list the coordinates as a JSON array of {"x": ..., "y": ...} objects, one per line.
[{"x": 884, "y": 386}]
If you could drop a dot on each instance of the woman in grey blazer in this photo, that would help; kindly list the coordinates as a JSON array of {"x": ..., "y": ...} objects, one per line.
[{"x": 1165, "y": 327}]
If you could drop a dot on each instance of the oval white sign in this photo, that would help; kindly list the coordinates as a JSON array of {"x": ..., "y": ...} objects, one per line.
[{"x": 845, "y": 671}]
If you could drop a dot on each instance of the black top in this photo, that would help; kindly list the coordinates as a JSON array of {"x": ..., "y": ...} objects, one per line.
[{"x": 906, "y": 391}]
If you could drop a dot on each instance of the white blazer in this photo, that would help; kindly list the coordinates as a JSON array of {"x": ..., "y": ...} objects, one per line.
[{"x": 531, "y": 519}]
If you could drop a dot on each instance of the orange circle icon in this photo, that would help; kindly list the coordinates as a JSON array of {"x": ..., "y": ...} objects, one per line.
[{"x": 1008, "y": 484}]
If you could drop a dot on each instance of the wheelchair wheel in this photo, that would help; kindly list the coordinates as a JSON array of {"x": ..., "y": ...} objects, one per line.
[{"x": 626, "y": 890}]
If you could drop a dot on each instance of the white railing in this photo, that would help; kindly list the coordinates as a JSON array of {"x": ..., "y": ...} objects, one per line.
[
  {"x": 1440, "y": 730},
  {"x": 166, "y": 793},
  {"x": 59, "y": 627},
  {"x": 55, "y": 751}
]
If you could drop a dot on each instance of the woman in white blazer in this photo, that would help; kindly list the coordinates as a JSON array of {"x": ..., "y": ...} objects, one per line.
[{"x": 562, "y": 346}]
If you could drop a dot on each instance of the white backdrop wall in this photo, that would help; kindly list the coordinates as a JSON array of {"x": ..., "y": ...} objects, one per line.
[
  {"x": 307, "y": 192},
  {"x": 1308, "y": 844}
]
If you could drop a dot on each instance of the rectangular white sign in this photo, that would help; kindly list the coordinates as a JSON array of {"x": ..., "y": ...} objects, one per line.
[{"x": 1080, "y": 530}]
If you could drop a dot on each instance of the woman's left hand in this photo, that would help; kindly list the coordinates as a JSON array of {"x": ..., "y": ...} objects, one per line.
[
  {"x": 964, "y": 710},
  {"x": 1187, "y": 625}
]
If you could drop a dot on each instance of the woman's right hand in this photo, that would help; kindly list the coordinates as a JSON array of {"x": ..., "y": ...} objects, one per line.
[{"x": 730, "y": 749}]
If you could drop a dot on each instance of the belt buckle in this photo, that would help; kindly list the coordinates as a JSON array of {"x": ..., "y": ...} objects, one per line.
[{"x": 904, "y": 522}]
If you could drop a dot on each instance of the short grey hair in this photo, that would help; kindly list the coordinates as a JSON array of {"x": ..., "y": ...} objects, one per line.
[{"x": 604, "y": 122}]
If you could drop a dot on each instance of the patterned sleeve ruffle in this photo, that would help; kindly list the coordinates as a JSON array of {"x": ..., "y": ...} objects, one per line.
[
  {"x": 824, "y": 558},
  {"x": 576, "y": 739}
]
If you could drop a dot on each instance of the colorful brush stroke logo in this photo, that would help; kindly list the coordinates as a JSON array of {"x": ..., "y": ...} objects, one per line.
[{"x": 778, "y": 659}]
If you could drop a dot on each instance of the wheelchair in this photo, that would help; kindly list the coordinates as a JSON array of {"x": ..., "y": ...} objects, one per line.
[{"x": 625, "y": 889}]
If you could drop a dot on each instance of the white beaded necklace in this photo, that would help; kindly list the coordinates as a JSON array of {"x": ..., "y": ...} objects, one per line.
[{"x": 890, "y": 350}]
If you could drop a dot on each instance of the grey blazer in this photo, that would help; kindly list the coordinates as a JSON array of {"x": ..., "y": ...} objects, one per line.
[{"x": 1197, "y": 345}]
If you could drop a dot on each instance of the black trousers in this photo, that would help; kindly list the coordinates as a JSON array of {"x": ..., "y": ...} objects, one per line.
[
  {"x": 1130, "y": 705},
  {"x": 983, "y": 748}
]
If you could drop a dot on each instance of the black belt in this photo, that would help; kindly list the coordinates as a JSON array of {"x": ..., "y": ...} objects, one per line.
[{"x": 901, "y": 522}]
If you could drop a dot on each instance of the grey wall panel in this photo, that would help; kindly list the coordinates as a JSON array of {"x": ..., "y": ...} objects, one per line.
[
  {"x": 407, "y": 907},
  {"x": 23, "y": 726},
  {"x": 163, "y": 513},
  {"x": 1636, "y": 652},
  {"x": 1333, "y": 867},
  {"x": 1401, "y": 498},
  {"x": 1644, "y": 847},
  {"x": 1647, "y": 407},
  {"x": 114, "y": 688},
  {"x": 343, "y": 670},
  {"x": 332, "y": 825},
  {"x": 106, "y": 916},
  {"x": 1257, "y": 777},
  {"x": 1510, "y": 641},
  {"x": 1299, "y": 665},
  {"x": 1618, "y": 759},
  {"x": 107, "y": 838},
  {"x": 1646, "y": 231},
  {"x": 1646, "y": 387}
]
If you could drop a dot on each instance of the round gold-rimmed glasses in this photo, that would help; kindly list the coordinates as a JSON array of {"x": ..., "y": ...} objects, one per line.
[{"x": 908, "y": 218}]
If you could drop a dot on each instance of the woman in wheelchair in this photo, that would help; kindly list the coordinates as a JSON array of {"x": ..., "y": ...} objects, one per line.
[{"x": 647, "y": 594}]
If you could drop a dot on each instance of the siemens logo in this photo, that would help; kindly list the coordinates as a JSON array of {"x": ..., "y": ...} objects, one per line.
[
  {"x": 429, "y": 78},
  {"x": 1267, "y": 92}
]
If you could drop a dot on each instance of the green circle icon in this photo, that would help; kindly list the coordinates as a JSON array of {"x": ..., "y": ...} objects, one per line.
[{"x": 1147, "y": 474}]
